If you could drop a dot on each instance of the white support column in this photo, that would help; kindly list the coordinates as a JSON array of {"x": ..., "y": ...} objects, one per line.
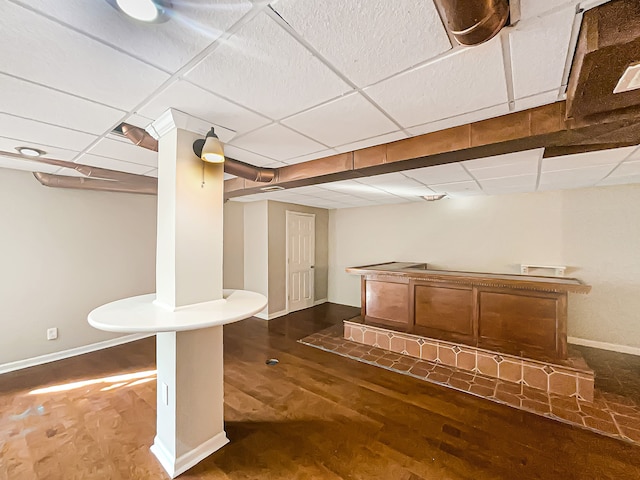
[{"x": 190, "y": 423}]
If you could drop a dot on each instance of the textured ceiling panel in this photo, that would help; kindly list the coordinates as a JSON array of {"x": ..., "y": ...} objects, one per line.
[
  {"x": 246, "y": 156},
  {"x": 451, "y": 172},
  {"x": 539, "y": 53},
  {"x": 463, "y": 119},
  {"x": 399, "y": 34},
  {"x": 29, "y": 100},
  {"x": 467, "y": 80},
  {"x": 112, "y": 164},
  {"x": 575, "y": 178},
  {"x": 457, "y": 189},
  {"x": 370, "y": 142},
  {"x": 69, "y": 61},
  {"x": 125, "y": 151},
  {"x": 263, "y": 68},
  {"x": 589, "y": 159},
  {"x": 533, "y": 8},
  {"x": 516, "y": 184},
  {"x": 41, "y": 133},
  {"x": 197, "y": 102},
  {"x": 348, "y": 119},
  {"x": 169, "y": 45},
  {"x": 278, "y": 142},
  {"x": 10, "y": 144},
  {"x": 509, "y": 165},
  {"x": 627, "y": 169}
]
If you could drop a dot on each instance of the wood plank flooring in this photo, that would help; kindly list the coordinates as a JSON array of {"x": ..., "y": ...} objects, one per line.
[{"x": 314, "y": 415}]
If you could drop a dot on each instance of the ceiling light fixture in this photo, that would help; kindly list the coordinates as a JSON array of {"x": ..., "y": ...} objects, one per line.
[
  {"x": 148, "y": 11},
  {"x": 210, "y": 148},
  {"x": 30, "y": 152},
  {"x": 433, "y": 198}
]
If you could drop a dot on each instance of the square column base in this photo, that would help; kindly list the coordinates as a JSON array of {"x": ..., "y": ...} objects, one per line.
[{"x": 176, "y": 466}]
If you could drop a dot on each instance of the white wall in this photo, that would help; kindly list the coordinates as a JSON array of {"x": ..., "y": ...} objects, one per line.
[
  {"x": 594, "y": 231},
  {"x": 63, "y": 253},
  {"x": 233, "y": 245}
]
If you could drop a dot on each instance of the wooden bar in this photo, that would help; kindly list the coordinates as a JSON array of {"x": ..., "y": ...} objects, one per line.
[{"x": 517, "y": 314}]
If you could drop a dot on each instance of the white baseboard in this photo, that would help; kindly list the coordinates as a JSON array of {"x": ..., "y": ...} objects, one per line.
[
  {"x": 320, "y": 302},
  {"x": 177, "y": 466},
  {"x": 72, "y": 352},
  {"x": 271, "y": 316},
  {"x": 614, "y": 347}
]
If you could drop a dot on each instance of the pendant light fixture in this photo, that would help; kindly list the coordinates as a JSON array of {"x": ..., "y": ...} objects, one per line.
[{"x": 210, "y": 148}]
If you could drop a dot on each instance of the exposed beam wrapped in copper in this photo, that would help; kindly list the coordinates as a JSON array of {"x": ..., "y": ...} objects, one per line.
[
  {"x": 231, "y": 166},
  {"x": 473, "y": 22}
]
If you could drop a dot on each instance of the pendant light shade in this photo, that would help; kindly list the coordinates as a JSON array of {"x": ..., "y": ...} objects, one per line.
[{"x": 210, "y": 149}]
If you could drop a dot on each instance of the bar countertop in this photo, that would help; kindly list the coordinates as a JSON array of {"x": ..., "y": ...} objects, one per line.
[{"x": 421, "y": 271}]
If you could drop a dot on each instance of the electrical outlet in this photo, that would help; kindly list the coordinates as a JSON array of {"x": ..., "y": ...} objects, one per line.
[{"x": 52, "y": 333}]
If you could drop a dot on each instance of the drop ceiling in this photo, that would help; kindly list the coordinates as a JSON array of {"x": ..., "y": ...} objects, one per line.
[{"x": 290, "y": 81}]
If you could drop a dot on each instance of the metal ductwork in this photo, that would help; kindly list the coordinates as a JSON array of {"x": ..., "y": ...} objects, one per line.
[
  {"x": 61, "y": 181},
  {"x": 473, "y": 22},
  {"x": 231, "y": 166}
]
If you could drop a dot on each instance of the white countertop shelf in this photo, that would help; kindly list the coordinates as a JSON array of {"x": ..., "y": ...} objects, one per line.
[{"x": 142, "y": 314}]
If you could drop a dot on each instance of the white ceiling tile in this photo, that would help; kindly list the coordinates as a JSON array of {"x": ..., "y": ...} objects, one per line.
[
  {"x": 197, "y": 102},
  {"x": 458, "y": 188},
  {"x": 138, "y": 120},
  {"x": 153, "y": 173},
  {"x": 348, "y": 119},
  {"x": 624, "y": 180},
  {"x": 588, "y": 159},
  {"x": 508, "y": 165},
  {"x": 448, "y": 173},
  {"x": 403, "y": 33},
  {"x": 19, "y": 164},
  {"x": 169, "y": 45},
  {"x": 50, "y": 54},
  {"x": 534, "y": 8},
  {"x": 41, "y": 133},
  {"x": 575, "y": 178},
  {"x": 539, "y": 52},
  {"x": 537, "y": 100},
  {"x": 627, "y": 168},
  {"x": 635, "y": 155},
  {"x": 279, "y": 142},
  {"x": 29, "y": 100},
  {"x": 516, "y": 184},
  {"x": 248, "y": 157},
  {"x": 10, "y": 144},
  {"x": 476, "y": 116},
  {"x": 462, "y": 82},
  {"x": 311, "y": 156},
  {"x": 112, "y": 164},
  {"x": 263, "y": 68},
  {"x": 371, "y": 142},
  {"x": 125, "y": 151}
]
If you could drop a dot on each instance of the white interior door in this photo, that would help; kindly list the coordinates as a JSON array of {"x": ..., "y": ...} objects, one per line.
[{"x": 301, "y": 234}]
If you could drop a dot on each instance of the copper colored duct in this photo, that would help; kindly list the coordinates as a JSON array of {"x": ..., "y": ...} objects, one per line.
[
  {"x": 250, "y": 172},
  {"x": 139, "y": 137},
  {"x": 87, "y": 170},
  {"x": 61, "y": 181},
  {"x": 473, "y": 22},
  {"x": 231, "y": 166}
]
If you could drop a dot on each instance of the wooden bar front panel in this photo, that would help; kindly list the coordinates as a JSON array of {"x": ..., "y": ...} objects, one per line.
[
  {"x": 387, "y": 303},
  {"x": 521, "y": 322},
  {"x": 443, "y": 311}
]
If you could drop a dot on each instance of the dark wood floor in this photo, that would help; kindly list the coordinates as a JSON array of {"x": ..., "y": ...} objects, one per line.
[{"x": 315, "y": 415}]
